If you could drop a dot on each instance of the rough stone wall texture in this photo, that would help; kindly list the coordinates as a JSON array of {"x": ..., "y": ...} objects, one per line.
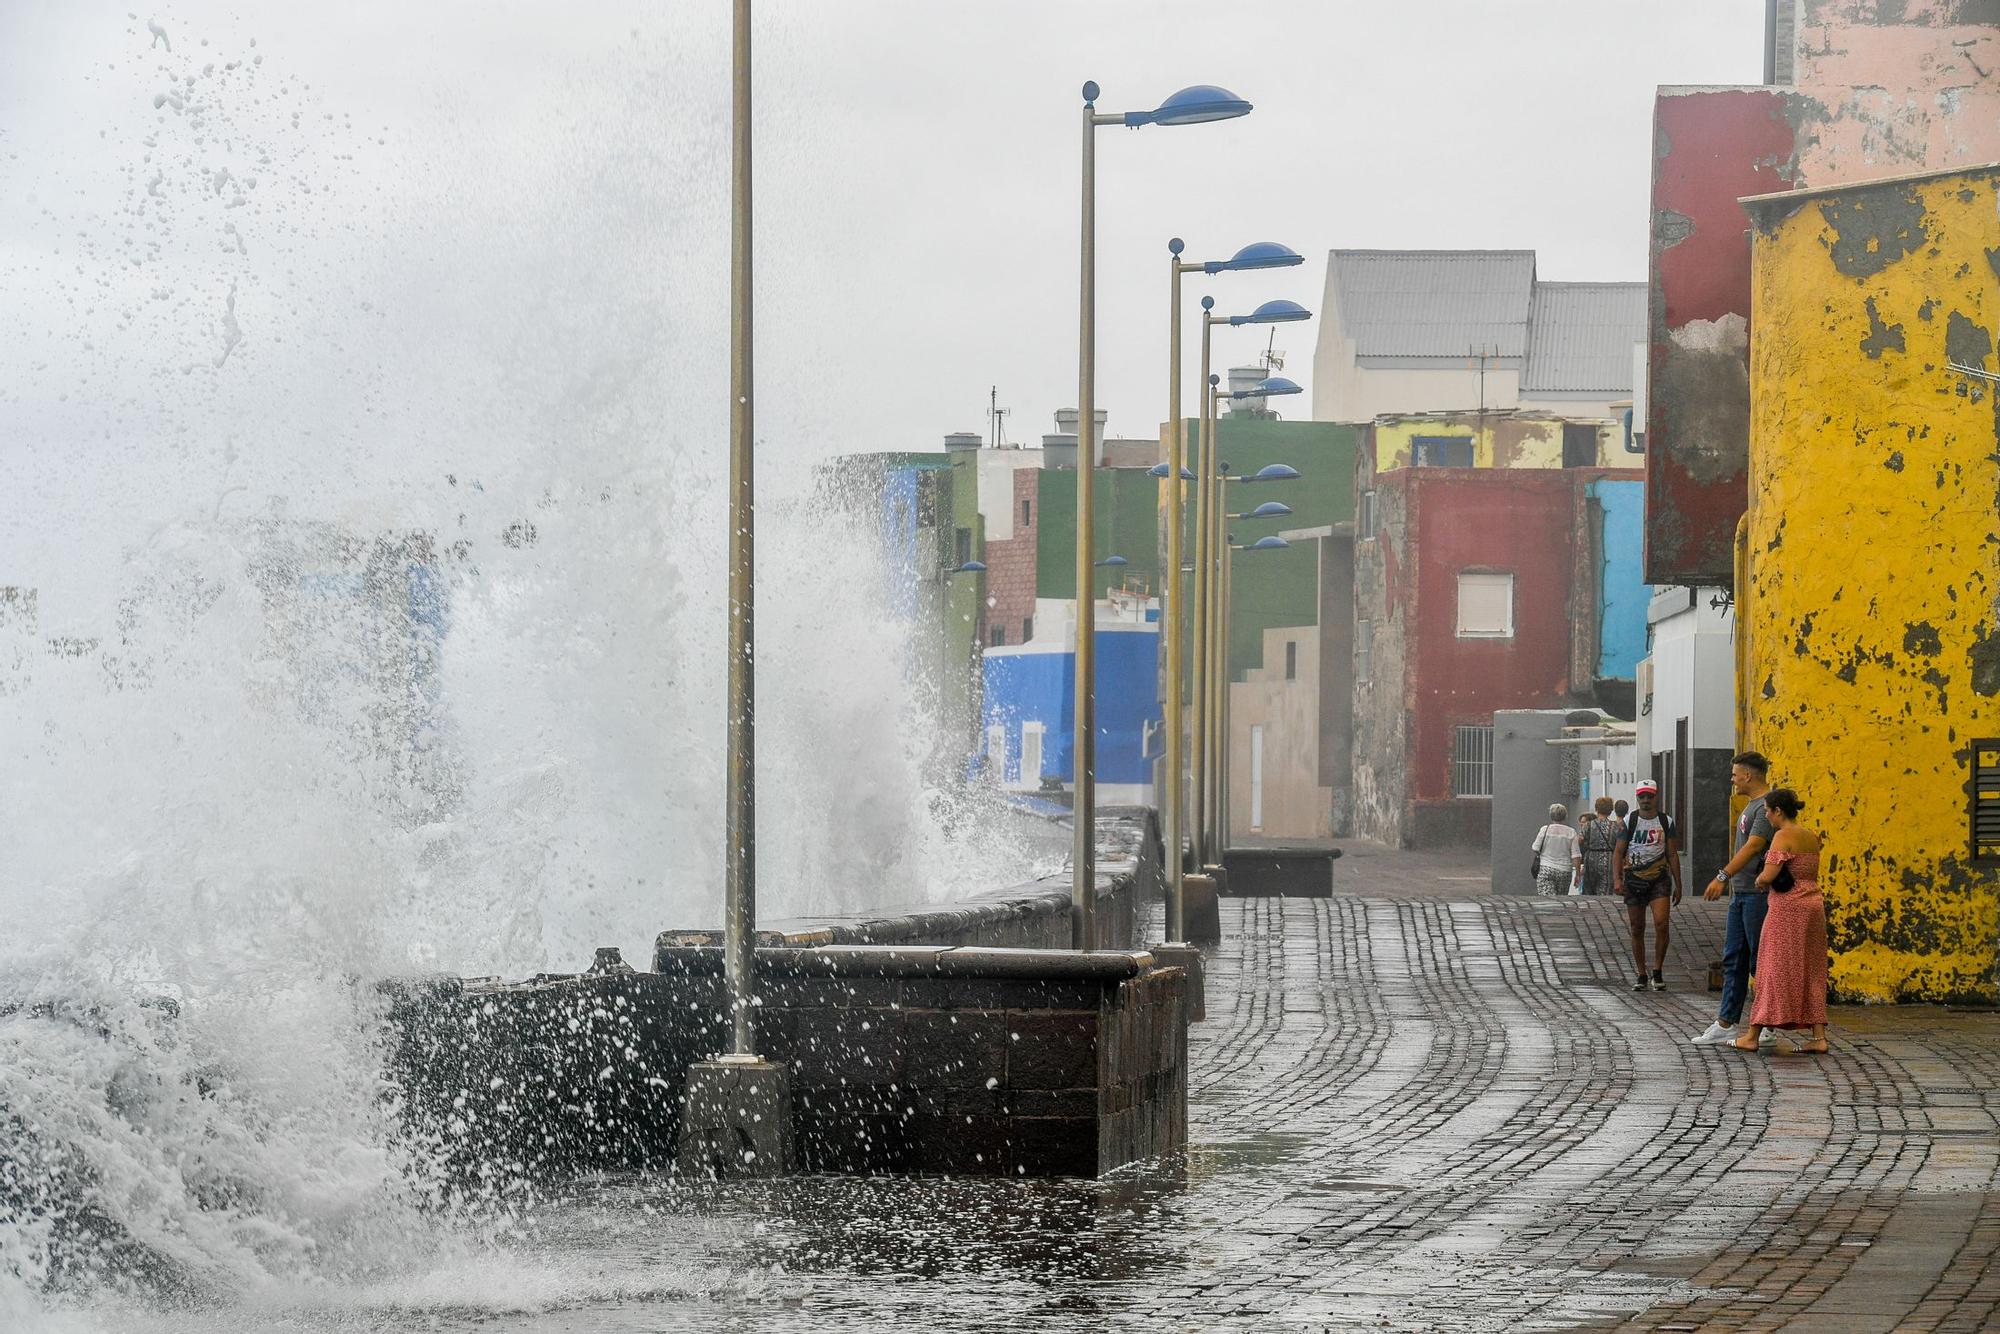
[
  {"x": 1010, "y": 565},
  {"x": 1872, "y": 652},
  {"x": 1336, "y": 677},
  {"x": 1711, "y": 147},
  {"x": 1895, "y": 86},
  {"x": 1498, "y": 439},
  {"x": 1876, "y": 88},
  {"x": 1381, "y": 715},
  {"x": 1015, "y": 1063}
]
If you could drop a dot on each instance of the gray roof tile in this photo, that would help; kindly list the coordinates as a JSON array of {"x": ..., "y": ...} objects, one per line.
[
  {"x": 1434, "y": 303},
  {"x": 1580, "y": 337}
]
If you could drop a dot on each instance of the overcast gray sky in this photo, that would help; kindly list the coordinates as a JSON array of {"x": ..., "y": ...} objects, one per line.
[{"x": 514, "y": 213}]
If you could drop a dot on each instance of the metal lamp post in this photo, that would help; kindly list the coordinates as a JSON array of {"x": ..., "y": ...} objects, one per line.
[
  {"x": 736, "y": 1109},
  {"x": 740, "y": 866},
  {"x": 1212, "y": 631},
  {"x": 1257, "y": 255},
  {"x": 1205, "y": 762},
  {"x": 1190, "y": 106}
]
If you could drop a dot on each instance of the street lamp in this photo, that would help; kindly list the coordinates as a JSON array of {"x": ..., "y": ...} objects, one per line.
[
  {"x": 1256, "y": 255},
  {"x": 1194, "y": 105},
  {"x": 1207, "y": 526}
]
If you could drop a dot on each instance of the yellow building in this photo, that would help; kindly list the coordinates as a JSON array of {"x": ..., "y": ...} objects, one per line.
[{"x": 1870, "y": 563}]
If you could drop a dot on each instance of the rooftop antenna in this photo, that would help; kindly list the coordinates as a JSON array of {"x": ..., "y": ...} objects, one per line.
[
  {"x": 1483, "y": 353},
  {"x": 1274, "y": 360},
  {"x": 998, "y": 415}
]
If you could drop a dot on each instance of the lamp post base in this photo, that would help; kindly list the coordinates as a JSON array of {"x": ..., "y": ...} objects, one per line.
[
  {"x": 1200, "y": 913},
  {"x": 736, "y": 1119},
  {"x": 1179, "y": 954}
]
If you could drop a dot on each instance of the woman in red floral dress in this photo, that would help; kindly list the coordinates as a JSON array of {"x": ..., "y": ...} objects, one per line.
[{"x": 1791, "y": 956}]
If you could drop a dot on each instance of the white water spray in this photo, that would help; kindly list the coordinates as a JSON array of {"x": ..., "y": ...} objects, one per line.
[{"x": 360, "y": 614}]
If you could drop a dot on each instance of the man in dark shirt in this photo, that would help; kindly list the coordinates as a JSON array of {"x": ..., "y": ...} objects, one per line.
[{"x": 1749, "y": 774}]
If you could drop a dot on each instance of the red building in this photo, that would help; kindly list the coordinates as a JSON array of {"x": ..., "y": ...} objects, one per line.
[{"x": 1476, "y": 589}]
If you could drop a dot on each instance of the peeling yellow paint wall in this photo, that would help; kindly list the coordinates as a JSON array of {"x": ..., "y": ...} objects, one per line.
[
  {"x": 1499, "y": 440},
  {"x": 1872, "y": 654}
]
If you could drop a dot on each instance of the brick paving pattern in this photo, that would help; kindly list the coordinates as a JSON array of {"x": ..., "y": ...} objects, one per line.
[{"x": 1417, "y": 1105}]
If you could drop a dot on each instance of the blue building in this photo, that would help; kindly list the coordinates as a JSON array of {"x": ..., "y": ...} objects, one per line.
[{"x": 1029, "y": 704}]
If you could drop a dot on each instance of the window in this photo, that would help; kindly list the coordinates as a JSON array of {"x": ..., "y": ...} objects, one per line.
[
  {"x": 996, "y": 634},
  {"x": 1364, "y": 649},
  {"x": 996, "y": 753},
  {"x": 1364, "y": 526},
  {"x": 1579, "y": 445},
  {"x": 1472, "y": 761},
  {"x": 1027, "y": 513},
  {"x": 961, "y": 546},
  {"x": 1441, "y": 451},
  {"x": 1485, "y": 606},
  {"x": 1027, "y": 628},
  {"x": 1986, "y": 802},
  {"x": 1291, "y": 659}
]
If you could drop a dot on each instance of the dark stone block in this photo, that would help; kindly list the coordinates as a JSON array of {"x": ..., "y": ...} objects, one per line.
[
  {"x": 977, "y": 1145},
  {"x": 1053, "y": 1146},
  {"x": 949, "y": 1049},
  {"x": 860, "y": 1045},
  {"x": 1051, "y": 1051},
  {"x": 1068, "y": 1102},
  {"x": 736, "y": 1120}
]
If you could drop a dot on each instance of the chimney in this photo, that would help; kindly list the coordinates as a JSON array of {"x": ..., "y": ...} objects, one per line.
[
  {"x": 960, "y": 441},
  {"x": 1247, "y": 377},
  {"x": 1059, "y": 451},
  {"x": 1066, "y": 419}
]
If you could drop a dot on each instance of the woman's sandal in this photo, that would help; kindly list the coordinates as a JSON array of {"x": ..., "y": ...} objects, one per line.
[
  {"x": 1808, "y": 1049},
  {"x": 1748, "y": 1042}
]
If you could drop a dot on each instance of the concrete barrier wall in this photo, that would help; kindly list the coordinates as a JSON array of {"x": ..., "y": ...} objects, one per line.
[{"x": 914, "y": 1044}]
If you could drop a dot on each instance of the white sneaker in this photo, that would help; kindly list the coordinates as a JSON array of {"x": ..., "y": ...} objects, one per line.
[
  {"x": 1768, "y": 1038},
  {"x": 1716, "y": 1034}
]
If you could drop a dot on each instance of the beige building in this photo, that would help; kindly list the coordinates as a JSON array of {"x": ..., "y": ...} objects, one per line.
[
  {"x": 1405, "y": 331},
  {"x": 1276, "y": 788}
]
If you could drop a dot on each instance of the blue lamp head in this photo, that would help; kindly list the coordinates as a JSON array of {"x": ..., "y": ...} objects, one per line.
[
  {"x": 1269, "y": 387},
  {"x": 1090, "y": 91},
  {"x": 1270, "y": 509},
  {"x": 1190, "y": 106},
  {"x": 1214, "y": 380},
  {"x": 1112, "y": 561},
  {"x": 1160, "y": 470},
  {"x": 1175, "y": 246},
  {"x": 1274, "y": 312},
  {"x": 1268, "y": 544},
  {"x": 1256, "y": 255},
  {"x": 1276, "y": 472},
  {"x": 1208, "y": 303},
  {"x": 971, "y": 567}
]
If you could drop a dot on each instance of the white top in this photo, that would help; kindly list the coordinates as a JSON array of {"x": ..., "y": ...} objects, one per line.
[{"x": 1557, "y": 845}]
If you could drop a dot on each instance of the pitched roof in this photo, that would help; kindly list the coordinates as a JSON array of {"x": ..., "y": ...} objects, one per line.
[
  {"x": 1433, "y": 303},
  {"x": 1580, "y": 337}
]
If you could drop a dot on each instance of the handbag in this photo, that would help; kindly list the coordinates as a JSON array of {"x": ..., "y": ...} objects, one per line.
[{"x": 1781, "y": 883}]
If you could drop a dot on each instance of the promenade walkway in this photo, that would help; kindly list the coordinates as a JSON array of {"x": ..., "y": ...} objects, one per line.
[{"x": 1420, "y": 1106}]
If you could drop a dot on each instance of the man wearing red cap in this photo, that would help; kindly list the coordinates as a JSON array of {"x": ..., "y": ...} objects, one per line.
[{"x": 1646, "y": 869}]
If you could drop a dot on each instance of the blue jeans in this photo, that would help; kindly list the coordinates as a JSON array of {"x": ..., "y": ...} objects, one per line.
[{"x": 1739, "y": 952}]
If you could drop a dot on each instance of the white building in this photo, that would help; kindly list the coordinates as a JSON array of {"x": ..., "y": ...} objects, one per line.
[{"x": 1405, "y": 331}]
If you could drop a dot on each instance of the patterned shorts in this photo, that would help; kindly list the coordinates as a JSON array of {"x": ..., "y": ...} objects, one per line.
[{"x": 1552, "y": 884}]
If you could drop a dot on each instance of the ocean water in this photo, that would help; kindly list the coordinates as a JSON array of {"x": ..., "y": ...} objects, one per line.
[{"x": 361, "y": 561}]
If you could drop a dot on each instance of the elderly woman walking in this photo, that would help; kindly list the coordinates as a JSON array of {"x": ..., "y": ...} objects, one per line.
[
  {"x": 1597, "y": 840},
  {"x": 1791, "y": 955},
  {"x": 1557, "y": 858}
]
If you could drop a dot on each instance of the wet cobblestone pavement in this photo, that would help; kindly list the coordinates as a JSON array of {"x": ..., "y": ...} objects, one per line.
[{"x": 1418, "y": 1108}]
